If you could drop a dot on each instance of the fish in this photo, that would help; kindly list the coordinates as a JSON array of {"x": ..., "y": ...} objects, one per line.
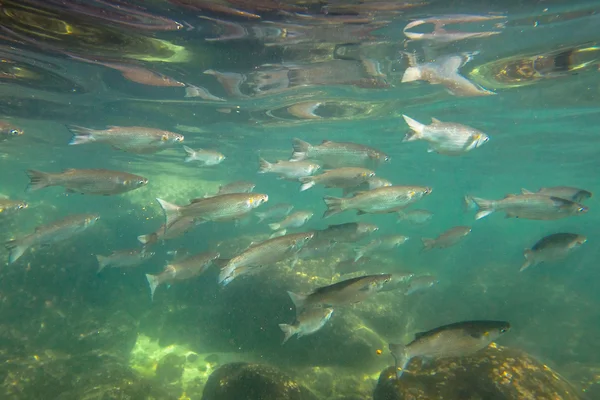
[
  {"x": 291, "y": 170},
  {"x": 123, "y": 258},
  {"x": 224, "y": 207},
  {"x": 419, "y": 283},
  {"x": 349, "y": 266},
  {"x": 564, "y": 192},
  {"x": 204, "y": 157},
  {"x": 54, "y": 232},
  {"x": 399, "y": 279},
  {"x": 445, "y": 71},
  {"x": 132, "y": 139},
  {"x": 445, "y": 137},
  {"x": 294, "y": 220},
  {"x": 306, "y": 323},
  {"x": 372, "y": 183},
  {"x": 9, "y": 131},
  {"x": 347, "y": 232},
  {"x": 415, "y": 216},
  {"x": 237, "y": 187},
  {"x": 384, "y": 243},
  {"x": 265, "y": 253},
  {"x": 527, "y": 206},
  {"x": 447, "y": 239},
  {"x": 338, "y": 178},
  {"x": 176, "y": 230},
  {"x": 552, "y": 248},
  {"x": 338, "y": 154},
  {"x": 454, "y": 340},
  {"x": 203, "y": 93},
  {"x": 382, "y": 200},
  {"x": 187, "y": 268},
  {"x": 11, "y": 207},
  {"x": 280, "y": 210},
  {"x": 87, "y": 181},
  {"x": 441, "y": 35},
  {"x": 349, "y": 291}
]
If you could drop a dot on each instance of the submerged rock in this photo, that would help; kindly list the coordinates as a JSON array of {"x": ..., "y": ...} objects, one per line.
[
  {"x": 236, "y": 381},
  {"x": 496, "y": 373}
]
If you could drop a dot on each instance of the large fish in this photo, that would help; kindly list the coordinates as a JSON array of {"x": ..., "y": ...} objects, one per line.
[
  {"x": 454, "y": 340},
  {"x": 123, "y": 258},
  {"x": 338, "y": 154},
  {"x": 564, "y": 192},
  {"x": 87, "y": 181},
  {"x": 291, "y": 170},
  {"x": 347, "y": 177},
  {"x": 179, "y": 228},
  {"x": 346, "y": 233},
  {"x": 552, "y": 248},
  {"x": 51, "y": 233},
  {"x": 203, "y": 157},
  {"x": 307, "y": 322}
]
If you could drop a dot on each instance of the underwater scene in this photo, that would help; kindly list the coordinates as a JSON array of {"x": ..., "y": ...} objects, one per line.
[{"x": 299, "y": 199}]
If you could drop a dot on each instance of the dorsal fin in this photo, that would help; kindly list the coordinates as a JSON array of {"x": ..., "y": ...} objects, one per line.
[
  {"x": 325, "y": 141},
  {"x": 419, "y": 335},
  {"x": 435, "y": 121},
  {"x": 198, "y": 200},
  {"x": 525, "y": 191}
]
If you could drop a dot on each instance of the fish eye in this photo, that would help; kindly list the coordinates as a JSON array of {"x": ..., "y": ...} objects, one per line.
[
  {"x": 13, "y": 132},
  {"x": 503, "y": 330},
  {"x": 581, "y": 209},
  {"x": 387, "y": 158}
]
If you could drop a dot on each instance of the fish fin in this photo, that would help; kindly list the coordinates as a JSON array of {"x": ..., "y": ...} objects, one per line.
[
  {"x": 525, "y": 191},
  {"x": 300, "y": 149},
  {"x": 435, "y": 121},
  {"x": 81, "y": 135},
  {"x": 172, "y": 214},
  {"x": 265, "y": 166},
  {"x": 298, "y": 300},
  {"x": 294, "y": 262},
  {"x": 261, "y": 217},
  {"x": 274, "y": 226},
  {"x": 288, "y": 330},
  {"x": 485, "y": 207},
  {"x": 528, "y": 262},
  {"x": 325, "y": 141},
  {"x": 153, "y": 283},
  {"x": 416, "y": 127},
  {"x": 145, "y": 239},
  {"x": 483, "y": 213},
  {"x": 307, "y": 183},
  {"x": 102, "y": 262},
  {"x": 191, "y": 154},
  {"x": 427, "y": 244},
  {"x": 16, "y": 249},
  {"x": 359, "y": 254},
  {"x": 411, "y": 74},
  {"x": 334, "y": 206},
  {"x": 38, "y": 180},
  {"x": 401, "y": 358}
]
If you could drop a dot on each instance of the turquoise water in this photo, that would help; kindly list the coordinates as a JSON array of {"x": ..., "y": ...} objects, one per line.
[{"x": 543, "y": 130}]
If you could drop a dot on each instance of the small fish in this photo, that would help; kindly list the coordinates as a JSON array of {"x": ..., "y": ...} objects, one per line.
[
  {"x": 552, "y": 248},
  {"x": 10, "y": 207},
  {"x": 306, "y": 323},
  {"x": 381, "y": 244},
  {"x": 372, "y": 183},
  {"x": 527, "y": 206},
  {"x": 87, "y": 181},
  {"x": 564, "y": 192},
  {"x": 9, "y": 131},
  {"x": 224, "y": 207},
  {"x": 342, "y": 293},
  {"x": 338, "y": 178},
  {"x": 447, "y": 239},
  {"x": 382, "y": 200},
  {"x": 441, "y": 35},
  {"x": 350, "y": 266},
  {"x": 188, "y": 268},
  {"x": 204, "y": 157},
  {"x": 445, "y": 71},
  {"x": 446, "y": 137},
  {"x": 289, "y": 169},
  {"x": 132, "y": 139},
  {"x": 419, "y": 283},
  {"x": 176, "y": 230},
  {"x": 338, "y": 154},
  {"x": 294, "y": 220},
  {"x": 453, "y": 340},
  {"x": 280, "y": 210},
  {"x": 415, "y": 216},
  {"x": 51, "y": 233},
  {"x": 124, "y": 258},
  {"x": 345, "y": 233},
  {"x": 237, "y": 187},
  {"x": 265, "y": 253}
]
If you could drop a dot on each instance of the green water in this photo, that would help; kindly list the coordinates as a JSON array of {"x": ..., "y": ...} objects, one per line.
[{"x": 55, "y": 309}]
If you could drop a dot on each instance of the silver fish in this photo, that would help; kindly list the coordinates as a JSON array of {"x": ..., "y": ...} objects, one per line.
[
  {"x": 348, "y": 232},
  {"x": 123, "y": 258},
  {"x": 528, "y": 206},
  {"x": 294, "y": 220},
  {"x": 564, "y": 192},
  {"x": 202, "y": 156},
  {"x": 87, "y": 181},
  {"x": 10, "y": 207},
  {"x": 382, "y": 244},
  {"x": 289, "y": 169},
  {"x": 307, "y": 322},
  {"x": 552, "y": 248},
  {"x": 419, "y": 283},
  {"x": 415, "y": 216},
  {"x": 338, "y": 178},
  {"x": 339, "y": 154},
  {"x": 447, "y": 239},
  {"x": 176, "y": 230},
  {"x": 237, "y": 187}
]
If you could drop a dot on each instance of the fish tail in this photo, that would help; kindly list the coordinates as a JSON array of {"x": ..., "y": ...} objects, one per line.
[
  {"x": 411, "y": 74},
  {"x": 416, "y": 127},
  {"x": 81, "y": 135},
  {"x": 359, "y": 254},
  {"x": 102, "y": 262},
  {"x": 261, "y": 217},
  {"x": 274, "y": 226},
  {"x": 301, "y": 149},
  {"x": 307, "y": 183},
  {"x": 147, "y": 239},
  {"x": 401, "y": 358},
  {"x": 288, "y": 330},
  {"x": 38, "y": 180},
  {"x": 153, "y": 282},
  {"x": 427, "y": 244},
  {"x": 191, "y": 154},
  {"x": 298, "y": 299},
  {"x": 334, "y": 206},
  {"x": 265, "y": 166},
  {"x": 528, "y": 261},
  {"x": 485, "y": 207},
  {"x": 226, "y": 275},
  {"x": 16, "y": 249},
  {"x": 172, "y": 214}
]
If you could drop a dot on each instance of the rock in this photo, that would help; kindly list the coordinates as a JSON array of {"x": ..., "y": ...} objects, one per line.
[
  {"x": 496, "y": 373},
  {"x": 246, "y": 381},
  {"x": 170, "y": 368}
]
